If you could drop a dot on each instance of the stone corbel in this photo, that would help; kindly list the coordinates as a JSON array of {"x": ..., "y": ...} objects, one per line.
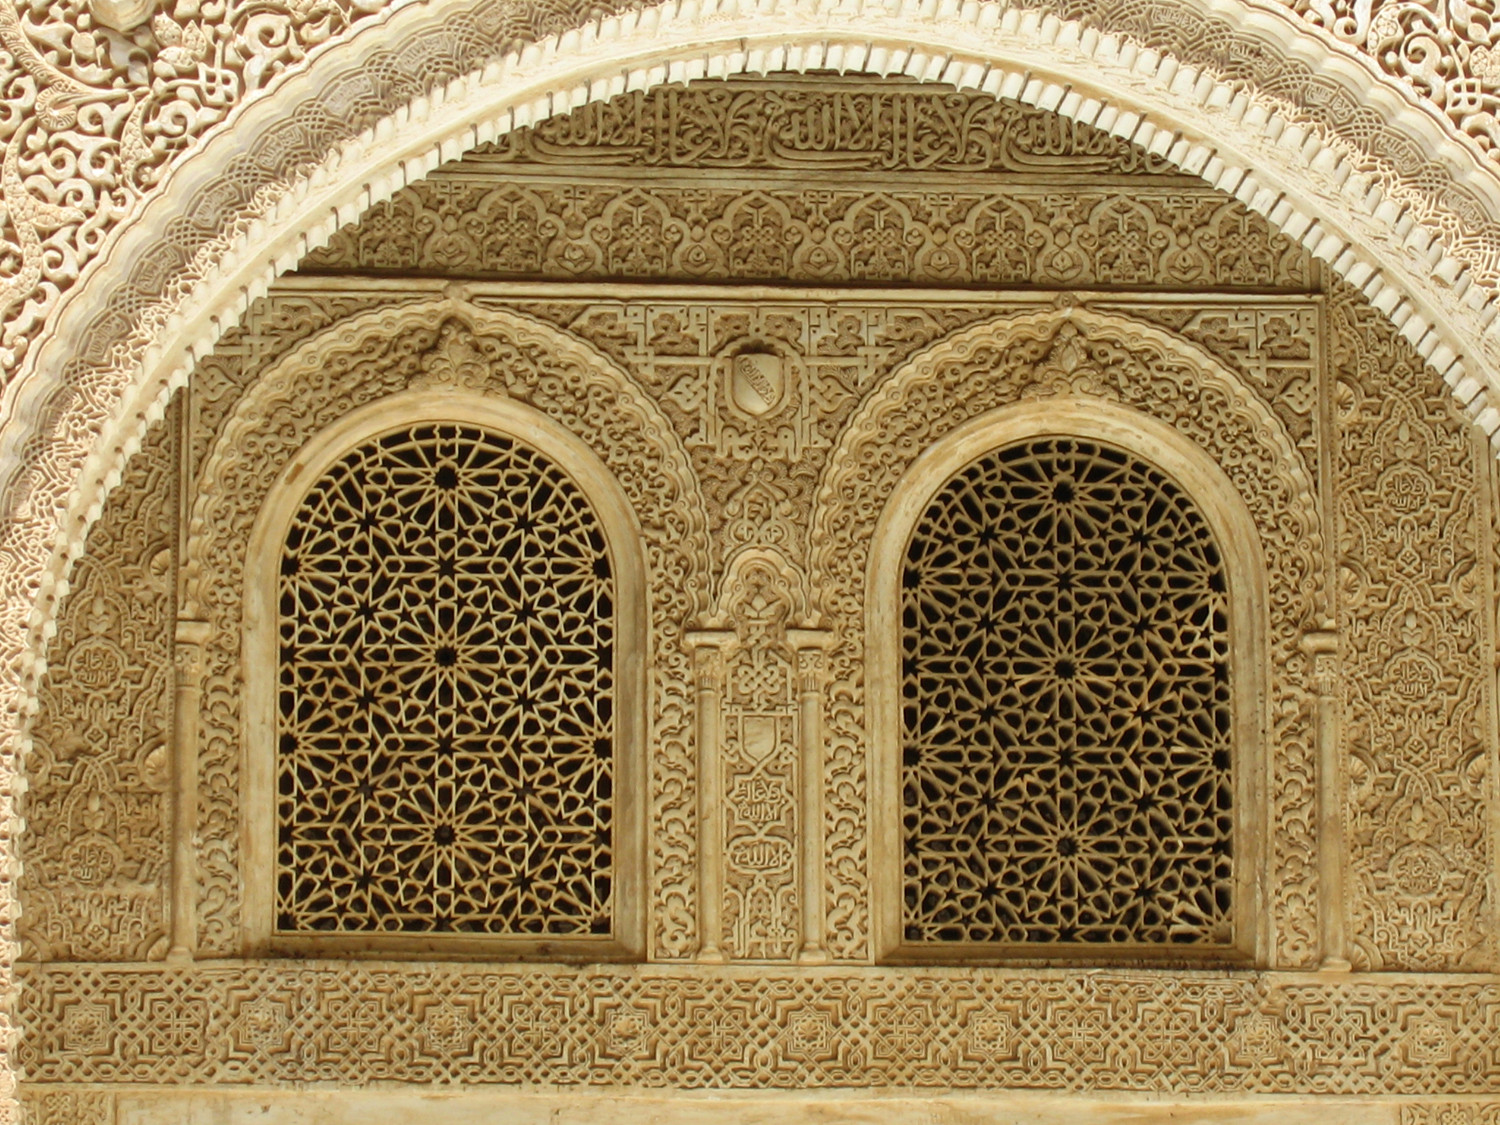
[
  {"x": 190, "y": 638},
  {"x": 1322, "y": 649}
]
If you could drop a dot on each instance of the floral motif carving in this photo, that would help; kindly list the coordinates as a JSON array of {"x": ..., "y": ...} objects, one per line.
[
  {"x": 377, "y": 354},
  {"x": 1451, "y": 1113},
  {"x": 97, "y": 811},
  {"x": 759, "y": 459}
]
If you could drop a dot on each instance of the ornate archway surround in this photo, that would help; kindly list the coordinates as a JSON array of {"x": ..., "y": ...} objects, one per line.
[
  {"x": 1125, "y": 377},
  {"x": 1262, "y": 108}
]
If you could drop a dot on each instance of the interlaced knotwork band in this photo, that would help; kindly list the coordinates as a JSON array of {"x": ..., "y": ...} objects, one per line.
[
  {"x": 1066, "y": 708},
  {"x": 445, "y": 729}
]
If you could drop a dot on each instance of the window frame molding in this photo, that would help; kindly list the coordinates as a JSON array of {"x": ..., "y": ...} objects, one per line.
[
  {"x": 1206, "y": 484},
  {"x": 624, "y": 542}
]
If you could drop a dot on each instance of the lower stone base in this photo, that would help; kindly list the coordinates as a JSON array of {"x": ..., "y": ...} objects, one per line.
[{"x": 537, "y": 1107}]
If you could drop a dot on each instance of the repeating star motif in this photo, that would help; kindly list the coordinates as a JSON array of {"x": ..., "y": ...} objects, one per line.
[
  {"x": 445, "y": 727},
  {"x": 1066, "y": 711}
]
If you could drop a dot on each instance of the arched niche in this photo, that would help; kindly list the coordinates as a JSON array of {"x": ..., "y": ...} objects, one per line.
[
  {"x": 1073, "y": 364},
  {"x": 526, "y": 378}
]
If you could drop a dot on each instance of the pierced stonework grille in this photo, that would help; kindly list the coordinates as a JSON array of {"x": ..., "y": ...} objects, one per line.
[
  {"x": 445, "y": 755},
  {"x": 1066, "y": 770}
]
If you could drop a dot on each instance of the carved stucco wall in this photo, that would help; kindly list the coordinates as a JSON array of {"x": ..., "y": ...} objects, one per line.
[{"x": 1322, "y": 405}]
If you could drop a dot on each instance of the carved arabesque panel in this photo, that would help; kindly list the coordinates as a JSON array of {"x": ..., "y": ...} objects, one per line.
[
  {"x": 1076, "y": 234},
  {"x": 290, "y": 1024},
  {"x": 1066, "y": 742},
  {"x": 97, "y": 809},
  {"x": 380, "y": 353},
  {"x": 1064, "y": 354},
  {"x": 1418, "y": 665},
  {"x": 445, "y": 735}
]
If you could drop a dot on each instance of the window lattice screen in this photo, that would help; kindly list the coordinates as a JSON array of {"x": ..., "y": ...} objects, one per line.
[
  {"x": 445, "y": 756},
  {"x": 1066, "y": 734}
]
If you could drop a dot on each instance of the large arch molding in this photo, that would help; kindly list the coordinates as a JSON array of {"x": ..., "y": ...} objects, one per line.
[{"x": 1390, "y": 193}]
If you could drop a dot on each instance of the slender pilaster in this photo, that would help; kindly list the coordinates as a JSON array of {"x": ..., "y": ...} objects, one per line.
[
  {"x": 188, "y": 693},
  {"x": 1322, "y": 648},
  {"x": 708, "y": 670},
  {"x": 810, "y": 646}
]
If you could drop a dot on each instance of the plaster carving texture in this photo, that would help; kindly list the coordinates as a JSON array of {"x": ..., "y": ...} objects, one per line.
[
  {"x": 97, "y": 809},
  {"x": 93, "y": 120},
  {"x": 648, "y": 382},
  {"x": 1414, "y": 582}
]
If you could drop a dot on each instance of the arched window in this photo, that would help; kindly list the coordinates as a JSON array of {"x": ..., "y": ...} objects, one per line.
[
  {"x": 1068, "y": 774},
  {"x": 449, "y": 730}
]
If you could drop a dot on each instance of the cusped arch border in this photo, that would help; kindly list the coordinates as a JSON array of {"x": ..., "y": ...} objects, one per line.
[
  {"x": 1074, "y": 357},
  {"x": 1347, "y": 159},
  {"x": 411, "y": 352}
]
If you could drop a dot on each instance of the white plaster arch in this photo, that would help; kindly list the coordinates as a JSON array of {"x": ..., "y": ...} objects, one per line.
[
  {"x": 62, "y": 446},
  {"x": 1306, "y": 184}
]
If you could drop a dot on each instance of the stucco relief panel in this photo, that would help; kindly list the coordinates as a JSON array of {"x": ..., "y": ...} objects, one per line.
[
  {"x": 362, "y": 361},
  {"x": 98, "y": 808},
  {"x": 1414, "y": 581}
]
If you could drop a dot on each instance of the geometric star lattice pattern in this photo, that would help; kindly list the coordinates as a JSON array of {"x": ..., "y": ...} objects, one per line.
[
  {"x": 445, "y": 728},
  {"x": 1066, "y": 744}
]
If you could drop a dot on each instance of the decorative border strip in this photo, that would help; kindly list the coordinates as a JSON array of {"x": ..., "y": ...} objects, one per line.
[{"x": 768, "y": 1028}]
